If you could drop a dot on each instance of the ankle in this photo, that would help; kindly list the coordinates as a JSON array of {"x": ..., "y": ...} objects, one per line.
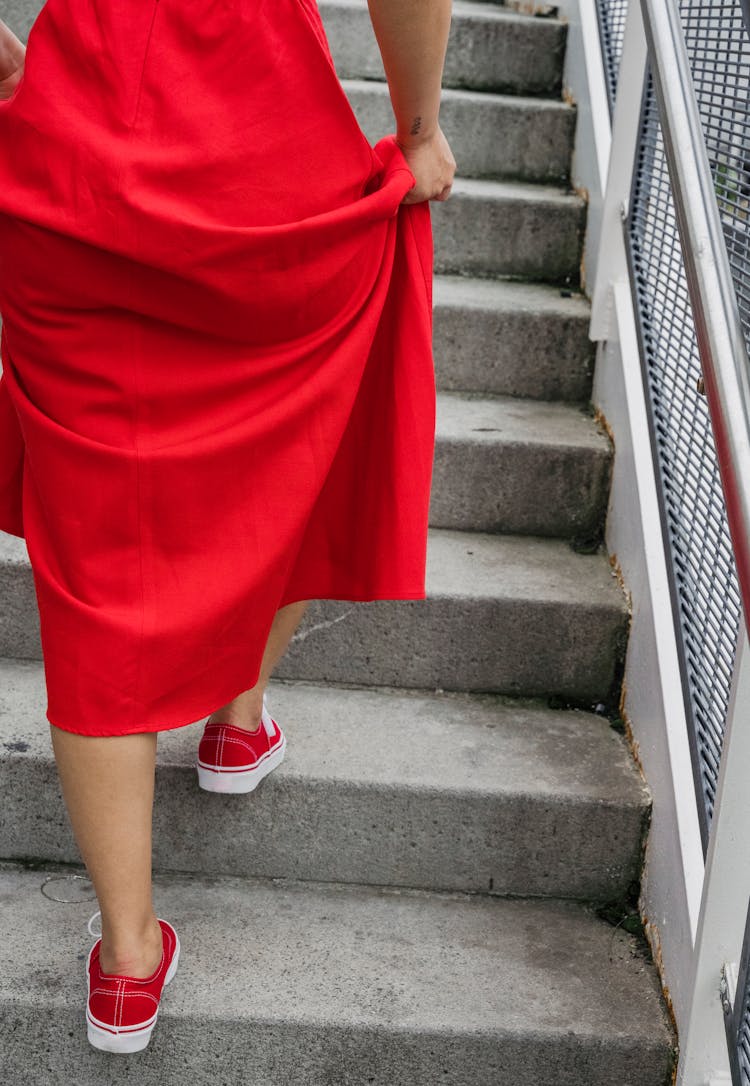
[
  {"x": 247, "y": 724},
  {"x": 133, "y": 953},
  {"x": 244, "y": 711}
]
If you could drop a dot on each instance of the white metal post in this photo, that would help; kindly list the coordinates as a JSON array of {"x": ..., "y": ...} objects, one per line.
[
  {"x": 726, "y": 891},
  {"x": 613, "y": 318},
  {"x": 610, "y": 262}
]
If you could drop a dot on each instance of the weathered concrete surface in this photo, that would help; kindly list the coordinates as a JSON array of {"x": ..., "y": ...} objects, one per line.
[
  {"x": 510, "y": 465},
  {"x": 509, "y": 614},
  {"x": 19, "y": 614},
  {"x": 314, "y": 984},
  {"x": 491, "y": 135},
  {"x": 510, "y": 338},
  {"x": 488, "y": 48},
  {"x": 20, "y": 14},
  {"x": 490, "y": 228},
  {"x": 377, "y": 786}
]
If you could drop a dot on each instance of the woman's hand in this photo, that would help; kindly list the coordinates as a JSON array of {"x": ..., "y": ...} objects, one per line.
[
  {"x": 431, "y": 161},
  {"x": 12, "y": 56}
]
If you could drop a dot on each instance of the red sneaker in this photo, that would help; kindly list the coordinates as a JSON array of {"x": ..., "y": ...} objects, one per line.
[
  {"x": 234, "y": 760},
  {"x": 121, "y": 1011}
]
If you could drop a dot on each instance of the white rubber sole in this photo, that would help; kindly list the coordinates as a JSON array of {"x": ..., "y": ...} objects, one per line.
[
  {"x": 110, "y": 1038},
  {"x": 238, "y": 781}
]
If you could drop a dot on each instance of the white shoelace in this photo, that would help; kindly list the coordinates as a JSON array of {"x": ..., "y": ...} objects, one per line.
[{"x": 95, "y": 934}]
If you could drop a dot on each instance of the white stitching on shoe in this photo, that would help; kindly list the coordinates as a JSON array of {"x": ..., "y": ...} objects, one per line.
[
  {"x": 238, "y": 742},
  {"x": 112, "y": 1028},
  {"x": 121, "y": 982},
  {"x": 244, "y": 768},
  {"x": 122, "y": 994}
]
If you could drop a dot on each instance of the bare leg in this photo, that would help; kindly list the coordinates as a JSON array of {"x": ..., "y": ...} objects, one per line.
[
  {"x": 108, "y": 788},
  {"x": 244, "y": 710}
]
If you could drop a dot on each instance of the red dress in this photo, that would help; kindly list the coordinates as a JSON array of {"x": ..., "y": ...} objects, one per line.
[{"x": 218, "y": 391}]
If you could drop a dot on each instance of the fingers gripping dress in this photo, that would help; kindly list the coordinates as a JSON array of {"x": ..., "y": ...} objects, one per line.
[{"x": 218, "y": 390}]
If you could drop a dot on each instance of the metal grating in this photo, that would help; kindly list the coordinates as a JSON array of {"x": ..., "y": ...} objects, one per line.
[
  {"x": 718, "y": 43},
  {"x": 737, "y": 1016},
  {"x": 611, "y": 15},
  {"x": 704, "y": 583},
  {"x": 742, "y": 1070}
]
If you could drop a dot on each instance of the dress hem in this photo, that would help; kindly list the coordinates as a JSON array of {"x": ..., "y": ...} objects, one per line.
[{"x": 223, "y": 698}]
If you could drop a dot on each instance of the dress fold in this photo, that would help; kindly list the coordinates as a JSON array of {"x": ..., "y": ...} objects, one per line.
[{"x": 218, "y": 390}]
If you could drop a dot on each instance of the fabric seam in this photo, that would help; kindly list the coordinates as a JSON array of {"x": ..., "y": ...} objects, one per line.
[{"x": 137, "y": 696}]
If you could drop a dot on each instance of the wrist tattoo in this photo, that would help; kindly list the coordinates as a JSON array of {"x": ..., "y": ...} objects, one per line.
[{"x": 415, "y": 127}]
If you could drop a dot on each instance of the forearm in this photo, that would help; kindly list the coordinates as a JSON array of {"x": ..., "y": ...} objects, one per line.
[
  {"x": 413, "y": 38},
  {"x": 11, "y": 52}
]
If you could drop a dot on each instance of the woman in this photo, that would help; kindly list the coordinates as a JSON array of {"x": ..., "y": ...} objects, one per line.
[{"x": 217, "y": 399}]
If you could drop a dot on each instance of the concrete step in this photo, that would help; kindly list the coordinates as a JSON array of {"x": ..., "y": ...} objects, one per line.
[
  {"x": 510, "y": 614},
  {"x": 491, "y": 135},
  {"x": 509, "y": 338},
  {"x": 489, "y": 48},
  {"x": 490, "y": 228},
  {"x": 438, "y": 791},
  {"x": 509, "y": 465},
  {"x": 309, "y": 984},
  {"x": 516, "y": 615}
]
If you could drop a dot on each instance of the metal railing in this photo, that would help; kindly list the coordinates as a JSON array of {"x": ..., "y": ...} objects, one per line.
[
  {"x": 680, "y": 333},
  {"x": 686, "y": 230}
]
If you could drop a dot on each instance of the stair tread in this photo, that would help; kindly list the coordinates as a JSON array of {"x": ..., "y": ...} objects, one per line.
[
  {"x": 465, "y": 565},
  {"x": 436, "y": 742},
  {"x": 516, "y": 295},
  {"x": 511, "y": 336},
  {"x": 358, "y": 957},
  {"x": 483, "y": 188},
  {"x": 468, "y": 417},
  {"x": 519, "y": 567},
  {"x": 529, "y": 137},
  {"x": 466, "y": 9},
  {"x": 466, "y": 94}
]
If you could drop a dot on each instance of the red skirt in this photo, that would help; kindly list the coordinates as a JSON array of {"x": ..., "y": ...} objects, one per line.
[{"x": 218, "y": 390}]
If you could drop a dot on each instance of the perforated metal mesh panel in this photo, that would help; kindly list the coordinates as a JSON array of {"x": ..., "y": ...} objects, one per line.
[
  {"x": 742, "y": 1070},
  {"x": 706, "y": 594},
  {"x": 719, "y": 47},
  {"x": 611, "y": 15},
  {"x": 737, "y": 1017}
]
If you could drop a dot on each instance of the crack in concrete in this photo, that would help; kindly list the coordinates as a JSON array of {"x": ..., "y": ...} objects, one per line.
[{"x": 300, "y": 635}]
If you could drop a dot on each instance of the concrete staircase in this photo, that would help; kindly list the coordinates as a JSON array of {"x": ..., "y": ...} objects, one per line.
[{"x": 436, "y": 885}]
